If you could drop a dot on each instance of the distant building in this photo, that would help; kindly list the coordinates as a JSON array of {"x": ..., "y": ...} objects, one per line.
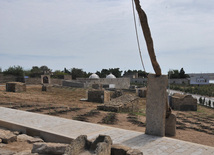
[
  {"x": 199, "y": 79},
  {"x": 131, "y": 75}
]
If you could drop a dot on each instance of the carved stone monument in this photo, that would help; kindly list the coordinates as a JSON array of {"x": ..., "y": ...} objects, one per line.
[{"x": 156, "y": 105}]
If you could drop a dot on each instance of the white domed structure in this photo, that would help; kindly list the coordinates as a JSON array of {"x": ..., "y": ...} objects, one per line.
[
  {"x": 110, "y": 76},
  {"x": 94, "y": 76}
]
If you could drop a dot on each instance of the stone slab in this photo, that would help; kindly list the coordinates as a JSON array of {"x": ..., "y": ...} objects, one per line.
[
  {"x": 56, "y": 128},
  {"x": 156, "y": 104}
]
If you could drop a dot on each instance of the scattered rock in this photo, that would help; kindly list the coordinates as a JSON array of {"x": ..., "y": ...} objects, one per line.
[
  {"x": 27, "y": 152},
  {"x": 49, "y": 148},
  {"x": 29, "y": 139},
  {"x": 134, "y": 152},
  {"x": 119, "y": 149},
  {"x": 7, "y": 136},
  {"x": 16, "y": 132},
  {"x": 78, "y": 145},
  {"x": 101, "y": 146}
]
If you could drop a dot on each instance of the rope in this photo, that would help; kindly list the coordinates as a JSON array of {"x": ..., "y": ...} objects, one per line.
[{"x": 137, "y": 36}]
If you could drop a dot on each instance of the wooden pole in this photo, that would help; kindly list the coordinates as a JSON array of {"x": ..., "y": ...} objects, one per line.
[{"x": 148, "y": 37}]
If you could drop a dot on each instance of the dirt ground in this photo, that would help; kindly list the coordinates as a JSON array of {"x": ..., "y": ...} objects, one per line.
[{"x": 196, "y": 127}]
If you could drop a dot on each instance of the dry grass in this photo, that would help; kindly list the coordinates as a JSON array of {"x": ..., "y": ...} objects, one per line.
[{"x": 195, "y": 127}]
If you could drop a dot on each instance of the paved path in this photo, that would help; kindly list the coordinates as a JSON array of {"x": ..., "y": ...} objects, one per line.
[{"x": 149, "y": 145}]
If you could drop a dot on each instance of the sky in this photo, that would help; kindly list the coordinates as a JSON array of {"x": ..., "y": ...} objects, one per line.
[{"x": 99, "y": 34}]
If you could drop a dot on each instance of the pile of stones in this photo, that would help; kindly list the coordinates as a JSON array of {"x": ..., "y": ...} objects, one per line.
[{"x": 102, "y": 145}]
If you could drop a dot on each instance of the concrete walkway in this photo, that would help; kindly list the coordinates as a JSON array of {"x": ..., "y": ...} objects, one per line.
[{"x": 53, "y": 128}]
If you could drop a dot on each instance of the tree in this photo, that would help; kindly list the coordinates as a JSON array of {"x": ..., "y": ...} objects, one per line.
[
  {"x": 0, "y": 70},
  {"x": 35, "y": 72},
  {"x": 175, "y": 74},
  {"x": 67, "y": 71},
  {"x": 104, "y": 72},
  {"x": 182, "y": 73},
  {"x": 15, "y": 70},
  {"x": 45, "y": 70},
  {"x": 59, "y": 74},
  {"x": 116, "y": 72},
  {"x": 78, "y": 73}
]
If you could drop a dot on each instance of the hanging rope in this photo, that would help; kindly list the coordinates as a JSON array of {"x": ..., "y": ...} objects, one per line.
[{"x": 137, "y": 36}]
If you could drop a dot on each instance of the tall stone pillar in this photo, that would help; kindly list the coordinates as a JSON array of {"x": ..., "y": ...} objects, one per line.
[{"x": 156, "y": 99}]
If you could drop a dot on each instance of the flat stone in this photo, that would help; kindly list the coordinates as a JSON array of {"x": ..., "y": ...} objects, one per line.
[
  {"x": 26, "y": 152},
  {"x": 134, "y": 152},
  {"x": 6, "y": 152},
  {"x": 7, "y": 136},
  {"x": 119, "y": 149},
  {"x": 49, "y": 148},
  {"x": 29, "y": 139}
]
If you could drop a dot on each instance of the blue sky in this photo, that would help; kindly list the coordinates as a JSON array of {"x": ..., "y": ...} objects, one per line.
[{"x": 97, "y": 34}]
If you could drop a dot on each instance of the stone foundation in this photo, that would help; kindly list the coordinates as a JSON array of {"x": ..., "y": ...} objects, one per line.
[
  {"x": 141, "y": 92},
  {"x": 183, "y": 102},
  {"x": 124, "y": 103},
  {"x": 100, "y": 96},
  {"x": 15, "y": 87}
]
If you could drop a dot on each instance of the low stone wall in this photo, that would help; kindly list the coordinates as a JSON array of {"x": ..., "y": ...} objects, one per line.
[
  {"x": 141, "y": 92},
  {"x": 69, "y": 83},
  {"x": 15, "y": 87},
  {"x": 38, "y": 81},
  {"x": 8, "y": 78},
  {"x": 124, "y": 103},
  {"x": 33, "y": 80},
  {"x": 118, "y": 83},
  {"x": 183, "y": 102}
]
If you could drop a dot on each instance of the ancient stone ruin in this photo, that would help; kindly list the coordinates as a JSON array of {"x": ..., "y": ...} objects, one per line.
[
  {"x": 102, "y": 145},
  {"x": 15, "y": 87},
  {"x": 183, "y": 102},
  {"x": 124, "y": 103},
  {"x": 141, "y": 92},
  {"x": 45, "y": 79},
  {"x": 100, "y": 96},
  {"x": 46, "y": 87}
]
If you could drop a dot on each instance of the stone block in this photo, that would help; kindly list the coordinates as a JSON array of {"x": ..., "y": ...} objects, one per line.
[
  {"x": 49, "y": 148},
  {"x": 119, "y": 149},
  {"x": 7, "y": 136},
  {"x": 141, "y": 92},
  {"x": 170, "y": 125},
  {"x": 100, "y": 96},
  {"x": 46, "y": 88},
  {"x": 15, "y": 87},
  {"x": 96, "y": 86},
  {"x": 134, "y": 152},
  {"x": 183, "y": 102},
  {"x": 100, "y": 146},
  {"x": 156, "y": 100},
  {"x": 117, "y": 93}
]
